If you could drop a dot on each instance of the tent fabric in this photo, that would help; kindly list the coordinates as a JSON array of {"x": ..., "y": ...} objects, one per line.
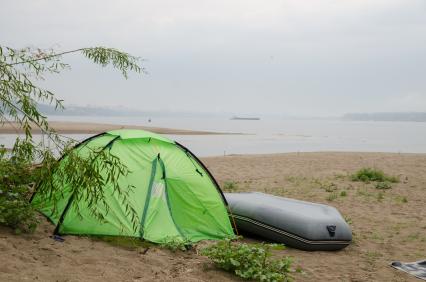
[
  {"x": 417, "y": 268},
  {"x": 174, "y": 195}
]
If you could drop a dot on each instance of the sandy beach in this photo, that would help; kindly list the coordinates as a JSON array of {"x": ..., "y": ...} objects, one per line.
[
  {"x": 387, "y": 225},
  {"x": 65, "y": 127}
]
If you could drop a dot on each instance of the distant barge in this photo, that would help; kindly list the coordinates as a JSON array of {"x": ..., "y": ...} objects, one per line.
[{"x": 245, "y": 118}]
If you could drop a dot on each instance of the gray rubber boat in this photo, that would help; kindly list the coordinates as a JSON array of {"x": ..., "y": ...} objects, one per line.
[{"x": 297, "y": 224}]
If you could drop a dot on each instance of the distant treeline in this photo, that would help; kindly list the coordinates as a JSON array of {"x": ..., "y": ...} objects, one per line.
[
  {"x": 399, "y": 116},
  {"x": 71, "y": 110},
  {"x": 87, "y": 111}
]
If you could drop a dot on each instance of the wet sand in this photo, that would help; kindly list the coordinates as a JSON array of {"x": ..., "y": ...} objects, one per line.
[{"x": 387, "y": 225}]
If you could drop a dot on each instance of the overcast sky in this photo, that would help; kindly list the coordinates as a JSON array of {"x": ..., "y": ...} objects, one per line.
[{"x": 307, "y": 58}]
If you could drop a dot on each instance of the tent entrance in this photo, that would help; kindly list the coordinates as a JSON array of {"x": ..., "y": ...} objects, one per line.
[{"x": 157, "y": 219}]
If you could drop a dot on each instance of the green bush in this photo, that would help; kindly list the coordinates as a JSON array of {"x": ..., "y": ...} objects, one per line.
[
  {"x": 229, "y": 186},
  {"x": 371, "y": 174},
  {"x": 329, "y": 187},
  {"x": 332, "y": 196},
  {"x": 16, "y": 179},
  {"x": 176, "y": 244},
  {"x": 383, "y": 185},
  {"x": 348, "y": 220},
  {"x": 325, "y": 185},
  {"x": 252, "y": 262}
]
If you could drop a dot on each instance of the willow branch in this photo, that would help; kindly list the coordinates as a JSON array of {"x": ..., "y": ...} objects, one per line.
[{"x": 48, "y": 57}]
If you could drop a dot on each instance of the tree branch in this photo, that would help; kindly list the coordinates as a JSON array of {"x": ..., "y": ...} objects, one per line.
[{"x": 48, "y": 57}]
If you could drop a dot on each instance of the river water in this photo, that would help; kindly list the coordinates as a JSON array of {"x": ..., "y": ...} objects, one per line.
[{"x": 275, "y": 135}]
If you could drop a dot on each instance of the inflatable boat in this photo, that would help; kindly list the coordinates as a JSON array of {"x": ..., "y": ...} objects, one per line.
[{"x": 297, "y": 224}]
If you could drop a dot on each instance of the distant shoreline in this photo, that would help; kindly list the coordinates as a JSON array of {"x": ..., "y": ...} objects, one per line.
[
  {"x": 65, "y": 127},
  {"x": 389, "y": 116}
]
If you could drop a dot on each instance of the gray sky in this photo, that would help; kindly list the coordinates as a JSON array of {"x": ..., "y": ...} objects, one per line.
[{"x": 308, "y": 58}]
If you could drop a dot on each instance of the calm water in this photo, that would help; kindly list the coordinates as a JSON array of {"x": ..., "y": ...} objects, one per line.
[{"x": 277, "y": 135}]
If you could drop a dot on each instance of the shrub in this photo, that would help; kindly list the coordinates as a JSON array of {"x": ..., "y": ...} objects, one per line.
[
  {"x": 383, "y": 185},
  {"x": 229, "y": 186},
  {"x": 16, "y": 179},
  {"x": 372, "y": 174},
  {"x": 175, "y": 244},
  {"x": 343, "y": 193},
  {"x": 348, "y": 220},
  {"x": 401, "y": 199},
  {"x": 332, "y": 196},
  {"x": 327, "y": 186},
  {"x": 249, "y": 261}
]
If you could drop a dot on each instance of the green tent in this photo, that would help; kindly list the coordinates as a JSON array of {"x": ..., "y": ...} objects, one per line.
[{"x": 175, "y": 196}]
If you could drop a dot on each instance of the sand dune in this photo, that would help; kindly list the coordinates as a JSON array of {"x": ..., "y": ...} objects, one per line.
[{"x": 387, "y": 225}]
